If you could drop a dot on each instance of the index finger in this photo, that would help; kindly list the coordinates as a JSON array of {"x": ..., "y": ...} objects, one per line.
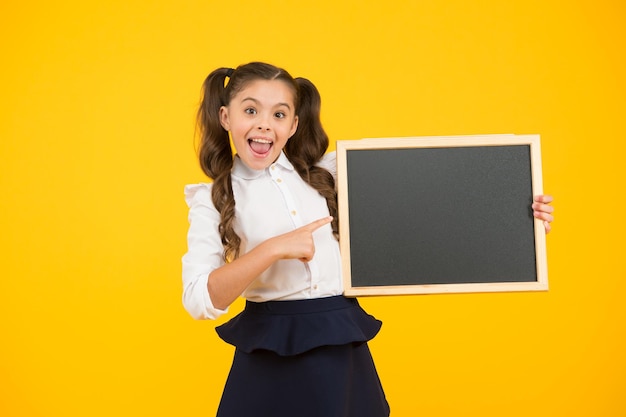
[{"x": 313, "y": 226}]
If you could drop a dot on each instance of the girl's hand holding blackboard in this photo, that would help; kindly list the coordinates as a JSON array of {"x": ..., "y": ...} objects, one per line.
[
  {"x": 543, "y": 210},
  {"x": 299, "y": 243}
]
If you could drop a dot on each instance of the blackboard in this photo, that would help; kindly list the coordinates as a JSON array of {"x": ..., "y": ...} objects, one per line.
[{"x": 440, "y": 214}]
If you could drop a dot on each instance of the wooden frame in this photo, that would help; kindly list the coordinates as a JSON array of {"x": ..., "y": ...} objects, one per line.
[{"x": 535, "y": 280}]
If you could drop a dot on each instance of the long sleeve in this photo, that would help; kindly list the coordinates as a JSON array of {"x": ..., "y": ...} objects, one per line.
[{"x": 204, "y": 252}]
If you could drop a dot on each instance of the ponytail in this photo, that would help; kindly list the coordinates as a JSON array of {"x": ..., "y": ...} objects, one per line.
[
  {"x": 216, "y": 157},
  {"x": 307, "y": 146}
]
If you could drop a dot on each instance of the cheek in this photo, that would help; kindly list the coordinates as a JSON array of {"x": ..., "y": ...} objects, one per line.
[
  {"x": 237, "y": 135},
  {"x": 287, "y": 130},
  {"x": 239, "y": 129}
]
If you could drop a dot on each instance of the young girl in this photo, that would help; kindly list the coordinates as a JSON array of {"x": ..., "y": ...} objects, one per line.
[{"x": 266, "y": 229}]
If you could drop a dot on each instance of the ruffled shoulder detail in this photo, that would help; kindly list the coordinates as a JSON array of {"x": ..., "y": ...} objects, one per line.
[
  {"x": 197, "y": 192},
  {"x": 329, "y": 163},
  {"x": 290, "y": 334}
]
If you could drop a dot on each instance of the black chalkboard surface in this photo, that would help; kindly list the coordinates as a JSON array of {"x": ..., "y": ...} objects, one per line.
[{"x": 440, "y": 214}]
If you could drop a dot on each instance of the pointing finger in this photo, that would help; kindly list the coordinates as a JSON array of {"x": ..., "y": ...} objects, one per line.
[{"x": 313, "y": 226}]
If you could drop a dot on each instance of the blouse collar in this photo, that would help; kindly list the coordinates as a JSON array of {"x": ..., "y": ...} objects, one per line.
[{"x": 241, "y": 170}]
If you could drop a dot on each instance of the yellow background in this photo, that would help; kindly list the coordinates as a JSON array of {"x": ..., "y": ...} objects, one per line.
[{"x": 97, "y": 103}]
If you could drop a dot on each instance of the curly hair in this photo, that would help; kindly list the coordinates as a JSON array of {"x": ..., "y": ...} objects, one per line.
[{"x": 304, "y": 149}]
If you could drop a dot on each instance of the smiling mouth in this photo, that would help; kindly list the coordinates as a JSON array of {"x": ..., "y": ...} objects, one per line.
[{"x": 260, "y": 146}]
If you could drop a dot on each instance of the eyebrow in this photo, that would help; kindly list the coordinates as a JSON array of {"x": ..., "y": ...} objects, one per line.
[{"x": 258, "y": 102}]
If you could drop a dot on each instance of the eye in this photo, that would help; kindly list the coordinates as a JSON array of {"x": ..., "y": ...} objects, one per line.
[
  {"x": 280, "y": 115},
  {"x": 250, "y": 110}
]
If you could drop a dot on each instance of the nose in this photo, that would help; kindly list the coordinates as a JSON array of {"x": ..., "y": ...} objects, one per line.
[{"x": 264, "y": 122}]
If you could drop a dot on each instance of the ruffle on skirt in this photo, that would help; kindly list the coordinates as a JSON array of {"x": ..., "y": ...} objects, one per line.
[{"x": 294, "y": 327}]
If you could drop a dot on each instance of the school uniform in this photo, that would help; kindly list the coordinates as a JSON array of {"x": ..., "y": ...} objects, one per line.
[{"x": 301, "y": 346}]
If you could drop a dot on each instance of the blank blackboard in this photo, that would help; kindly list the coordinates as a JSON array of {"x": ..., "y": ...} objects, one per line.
[{"x": 440, "y": 214}]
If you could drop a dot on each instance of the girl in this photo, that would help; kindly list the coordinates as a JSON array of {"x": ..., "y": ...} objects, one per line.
[{"x": 266, "y": 229}]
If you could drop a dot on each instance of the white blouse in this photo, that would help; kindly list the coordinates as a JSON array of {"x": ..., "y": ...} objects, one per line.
[{"x": 268, "y": 203}]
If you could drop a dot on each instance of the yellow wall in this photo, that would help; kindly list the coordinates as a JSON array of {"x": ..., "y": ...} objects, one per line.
[{"x": 97, "y": 101}]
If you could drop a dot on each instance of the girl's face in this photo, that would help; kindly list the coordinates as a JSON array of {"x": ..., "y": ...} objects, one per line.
[{"x": 260, "y": 119}]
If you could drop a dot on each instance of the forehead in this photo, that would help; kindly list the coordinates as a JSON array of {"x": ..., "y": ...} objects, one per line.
[{"x": 268, "y": 92}]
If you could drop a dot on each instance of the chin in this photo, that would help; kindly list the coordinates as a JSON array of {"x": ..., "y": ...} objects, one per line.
[{"x": 259, "y": 163}]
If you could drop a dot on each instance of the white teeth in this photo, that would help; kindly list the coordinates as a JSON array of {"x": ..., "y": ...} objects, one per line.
[{"x": 260, "y": 140}]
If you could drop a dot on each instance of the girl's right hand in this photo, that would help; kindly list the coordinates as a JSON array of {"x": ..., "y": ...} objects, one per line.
[
  {"x": 299, "y": 244},
  {"x": 228, "y": 282}
]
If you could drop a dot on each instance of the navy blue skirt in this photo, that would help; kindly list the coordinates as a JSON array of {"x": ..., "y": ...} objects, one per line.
[{"x": 305, "y": 358}]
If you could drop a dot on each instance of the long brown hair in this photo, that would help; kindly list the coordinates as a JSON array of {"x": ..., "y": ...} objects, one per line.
[{"x": 304, "y": 149}]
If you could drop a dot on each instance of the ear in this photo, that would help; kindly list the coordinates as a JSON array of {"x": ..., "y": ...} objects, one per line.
[
  {"x": 224, "y": 120},
  {"x": 294, "y": 127}
]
